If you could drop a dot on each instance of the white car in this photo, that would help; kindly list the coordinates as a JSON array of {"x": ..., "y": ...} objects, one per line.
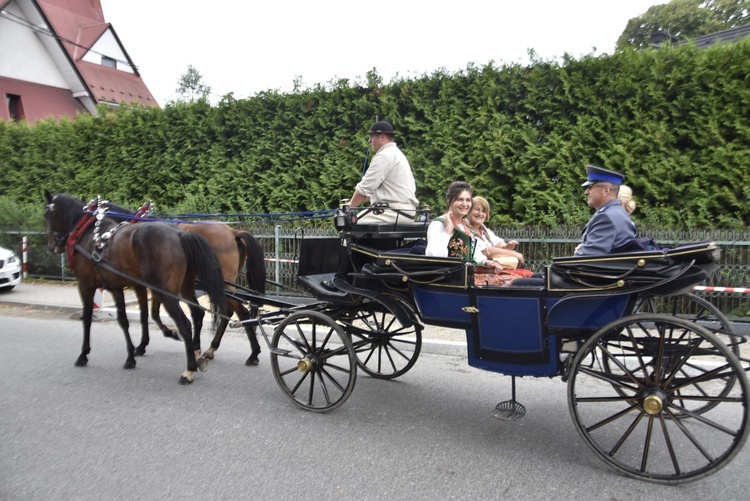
[{"x": 10, "y": 270}]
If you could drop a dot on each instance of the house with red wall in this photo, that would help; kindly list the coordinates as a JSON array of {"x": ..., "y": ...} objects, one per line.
[{"x": 59, "y": 58}]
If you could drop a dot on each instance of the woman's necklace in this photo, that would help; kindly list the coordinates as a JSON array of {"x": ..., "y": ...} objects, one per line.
[
  {"x": 479, "y": 232},
  {"x": 461, "y": 226}
]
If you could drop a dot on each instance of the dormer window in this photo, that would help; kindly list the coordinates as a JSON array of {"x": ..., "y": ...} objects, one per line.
[{"x": 109, "y": 62}]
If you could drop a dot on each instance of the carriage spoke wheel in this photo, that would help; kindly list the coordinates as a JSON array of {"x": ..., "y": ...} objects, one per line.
[
  {"x": 705, "y": 314},
  {"x": 313, "y": 361},
  {"x": 638, "y": 413},
  {"x": 385, "y": 349}
]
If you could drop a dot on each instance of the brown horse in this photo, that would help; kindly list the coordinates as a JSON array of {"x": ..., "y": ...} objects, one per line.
[
  {"x": 158, "y": 256},
  {"x": 233, "y": 249}
]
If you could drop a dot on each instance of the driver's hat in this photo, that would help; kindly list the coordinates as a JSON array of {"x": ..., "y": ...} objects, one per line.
[
  {"x": 381, "y": 127},
  {"x": 597, "y": 174}
]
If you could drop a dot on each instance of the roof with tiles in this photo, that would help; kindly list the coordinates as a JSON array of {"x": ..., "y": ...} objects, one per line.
[{"x": 80, "y": 24}]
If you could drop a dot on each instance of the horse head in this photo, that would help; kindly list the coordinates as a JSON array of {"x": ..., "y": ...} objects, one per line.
[{"x": 61, "y": 213}]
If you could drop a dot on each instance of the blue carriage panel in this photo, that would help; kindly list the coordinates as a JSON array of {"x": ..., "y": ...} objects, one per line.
[
  {"x": 509, "y": 324},
  {"x": 588, "y": 313},
  {"x": 443, "y": 305},
  {"x": 509, "y": 335}
]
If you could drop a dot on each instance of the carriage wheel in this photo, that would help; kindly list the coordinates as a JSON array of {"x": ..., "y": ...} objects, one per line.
[
  {"x": 703, "y": 313},
  {"x": 697, "y": 310},
  {"x": 313, "y": 361},
  {"x": 385, "y": 349},
  {"x": 637, "y": 412}
]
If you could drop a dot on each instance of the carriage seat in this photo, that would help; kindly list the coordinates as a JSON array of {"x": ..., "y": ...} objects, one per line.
[
  {"x": 401, "y": 230},
  {"x": 668, "y": 270}
]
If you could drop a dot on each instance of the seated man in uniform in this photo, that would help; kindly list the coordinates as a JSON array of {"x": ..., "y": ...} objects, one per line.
[{"x": 610, "y": 229}]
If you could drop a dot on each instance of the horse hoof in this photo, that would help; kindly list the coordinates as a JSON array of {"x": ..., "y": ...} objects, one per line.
[
  {"x": 172, "y": 335},
  {"x": 202, "y": 364},
  {"x": 186, "y": 377},
  {"x": 81, "y": 362},
  {"x": 130, "y": 364},
  {"x": 139, "y": 352},
  {"x": 252, "y": 362}
]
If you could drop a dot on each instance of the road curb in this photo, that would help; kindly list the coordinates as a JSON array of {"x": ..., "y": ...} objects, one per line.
[{"x": 432, "y": 346}]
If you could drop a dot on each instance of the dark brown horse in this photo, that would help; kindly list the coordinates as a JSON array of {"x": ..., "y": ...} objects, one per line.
[
  {"x": 234, "y": 249},
  {"x": 106, "y": 253}
]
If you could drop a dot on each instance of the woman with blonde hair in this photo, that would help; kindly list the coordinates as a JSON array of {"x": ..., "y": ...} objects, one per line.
[
  {"x": 491, "y": 246},
  {"x": 625, "y": 195}
]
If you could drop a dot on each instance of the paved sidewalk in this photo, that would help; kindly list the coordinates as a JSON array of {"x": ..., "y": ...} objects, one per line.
[{"x": 62, "y": 297}]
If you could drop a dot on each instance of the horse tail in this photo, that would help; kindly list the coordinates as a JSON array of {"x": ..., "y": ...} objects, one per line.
[
  {"x": 255, "y": 264},
  {"x": 205, "y": 264}
]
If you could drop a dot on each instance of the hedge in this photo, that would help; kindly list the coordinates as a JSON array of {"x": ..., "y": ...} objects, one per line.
[{"x": 675, "y": 121}]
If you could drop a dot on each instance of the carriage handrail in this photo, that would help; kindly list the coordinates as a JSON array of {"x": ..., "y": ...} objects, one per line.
[
  {"x": 443, "y": 272},
  {"x": 619, "y": 291}
]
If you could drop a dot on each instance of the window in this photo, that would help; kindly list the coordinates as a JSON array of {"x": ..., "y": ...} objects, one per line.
[
  {"x": 15, "y": 108},
  {"x": 109, "y": 62}
]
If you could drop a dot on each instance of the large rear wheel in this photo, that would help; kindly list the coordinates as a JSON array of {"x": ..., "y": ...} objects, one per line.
[
  {"x": 313, "y": 361},
  {"x": 645, "y": 411},
  {"x": 701, "y": 312},
  {"x": 697, "y": 310}
]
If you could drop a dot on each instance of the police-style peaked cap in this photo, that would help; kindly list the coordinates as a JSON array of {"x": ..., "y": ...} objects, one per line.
[{"x": 596, "y": 174}]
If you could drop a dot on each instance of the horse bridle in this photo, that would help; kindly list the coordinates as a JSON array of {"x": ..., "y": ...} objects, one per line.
[{"x": 59, "y": 240}]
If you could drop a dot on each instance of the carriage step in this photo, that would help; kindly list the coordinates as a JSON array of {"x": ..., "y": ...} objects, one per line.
[{"x": 277, "y": 351}]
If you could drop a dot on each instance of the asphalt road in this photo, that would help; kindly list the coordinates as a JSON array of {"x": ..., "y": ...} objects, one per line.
[{"x": 103, "y": 432}]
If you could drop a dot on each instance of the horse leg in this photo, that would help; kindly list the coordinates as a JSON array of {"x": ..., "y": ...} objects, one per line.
[
  {"x": 87, "y": 314},
  {"x": 244, "y": 315},
  {"x": 122, "y": 319},
  {"x": 218, "y": 335},
  {"x": 155, "y": 305},
  {"x": 142, "y": 295},
  {"x": 183, "y": 325},
  {"x": 197, "y": 314}
]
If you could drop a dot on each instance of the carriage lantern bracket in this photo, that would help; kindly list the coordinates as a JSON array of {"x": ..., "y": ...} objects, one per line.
[
  {"x": 424, "y": 215},
  {"x": 344, "y": 219}
]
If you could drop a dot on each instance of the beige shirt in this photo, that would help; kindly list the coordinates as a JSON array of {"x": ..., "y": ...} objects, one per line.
[{"x": 389, "y": 179}]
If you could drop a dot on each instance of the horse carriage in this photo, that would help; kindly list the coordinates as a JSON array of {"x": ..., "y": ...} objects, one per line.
[{"x": 657, "y": 395}]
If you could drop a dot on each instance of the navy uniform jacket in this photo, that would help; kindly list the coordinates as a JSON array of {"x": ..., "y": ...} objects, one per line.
[{"x": 608, "y": 229}]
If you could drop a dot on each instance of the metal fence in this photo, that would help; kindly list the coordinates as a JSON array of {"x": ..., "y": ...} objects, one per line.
[{"x": 539, "y": 245}]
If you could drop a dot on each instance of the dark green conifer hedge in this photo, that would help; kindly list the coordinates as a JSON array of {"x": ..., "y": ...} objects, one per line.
[{"x": 676, "y": 121}]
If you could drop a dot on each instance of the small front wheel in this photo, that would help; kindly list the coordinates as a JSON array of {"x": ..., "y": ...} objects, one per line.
[
  {"x": 313, "y": 361},
  {"x": 385, "y": 349},
  {"x": 639, "y": 395}
]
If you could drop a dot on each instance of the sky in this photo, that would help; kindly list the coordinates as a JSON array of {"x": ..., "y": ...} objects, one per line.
[{"x": 247, "y": 47}]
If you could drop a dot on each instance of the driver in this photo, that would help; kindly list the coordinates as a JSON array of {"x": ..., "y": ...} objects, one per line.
[{"x": 388, "y": 180}]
